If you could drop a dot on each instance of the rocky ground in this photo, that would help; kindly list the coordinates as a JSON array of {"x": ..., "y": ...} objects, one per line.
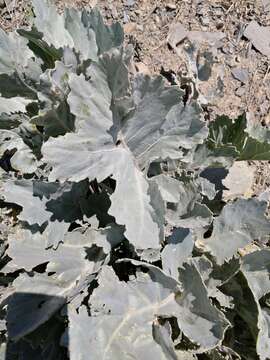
[{"x": 208, "y": 46}]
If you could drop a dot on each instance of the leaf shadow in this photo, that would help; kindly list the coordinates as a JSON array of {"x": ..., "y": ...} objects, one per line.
[{"x": 36, "y": 324}]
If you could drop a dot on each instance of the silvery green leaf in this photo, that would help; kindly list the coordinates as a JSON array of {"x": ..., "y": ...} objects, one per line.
[
  {"x": 149, "y": 255},
  {"x": 99, "y": 333},
  {"x": 92, "y": 99},
  {"x": 88, "y": 332},
  {"x": 107, "y": 37},
  {"x": 143, "y": 228},
  {"x": 158, "y": 204},
  {"x": 237, "y": 226},
  {"x": 202, "y": 157},
  {"x": 90, "y": 102},
  {"x": 13, "y": 105},
  {"x": 256, "y": 130},
  {"x": 59, "y": 78},
  {"x": 207, "y": 188},
  {"x": 204, "y": 316},
  {"x": 263, "y": 347},
  {"x": 239, "y": 181},
  {"x": 156, "y": 274},
  {"x": 264, "y": 196},
  {"x": 169, "y": 126},
  {"x": 188, "y": 195},
  {"x": 162, "y": 333},
  {"x": 46, "y": 15},
  {"x": 89, "y": 161},
  {"x": 177, "y": 251},
  {"x": 33, "y": 208},
  {"x": 23, "y": 158},
  {"x": 128, "y": 318},
  {"x": 56, "y": 122},
  {"x": 68, "y": 262},
  {"x": 84, "y": 39},
  {"x": 114, "y": 64},
  {"x": 213, "y": 280},
  {"x": 198, "y": 219},
  {"x": 200, "y": 321},
  {"x": 105, "y": 238},
  {"x": 14, "y": 53},
  {"x": 169, "y": 188},
  {"x": 52, "y": 95},
  {"x": 13, "y": 85},
  {"x": 69, "y": 58},
  {"x": 256, "y": 267},
  {"x": 67, "y": 203},
  {"x": 32, "y": 74},
  {"x": 3, "y": 350},
  {"x": 42, "y": 201},
  {"x": 54, "y": 233}
]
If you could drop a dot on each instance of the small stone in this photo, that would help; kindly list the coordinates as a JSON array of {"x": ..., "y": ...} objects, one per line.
[
  {"x": 240, "y": 75},
  {"x": 264, "y": 196},
  {"x": 259, "y": 37},
  {"x": 177, "y": 33},
  {"x": 205, "y": 21},
  {"x": 2, "y": 4},
  {"x": 240, "y": 91}
]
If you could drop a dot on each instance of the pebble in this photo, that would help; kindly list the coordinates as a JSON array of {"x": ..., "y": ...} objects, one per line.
[
  {"x": 177, "y": 33},
  {"x": 259, "y": 37},
  {"x": 240, "y": 74},
  {"x": 205, "y": 21},
  {"x": 240, "y": 91},
  {"x": 2, "y": 4}
]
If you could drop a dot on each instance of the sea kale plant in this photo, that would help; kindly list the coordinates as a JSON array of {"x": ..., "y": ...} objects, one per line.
[{"x": 119, "y": 243}]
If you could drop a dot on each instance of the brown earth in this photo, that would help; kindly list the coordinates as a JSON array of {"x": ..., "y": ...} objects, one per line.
[{"x": 147, "y": 24}]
